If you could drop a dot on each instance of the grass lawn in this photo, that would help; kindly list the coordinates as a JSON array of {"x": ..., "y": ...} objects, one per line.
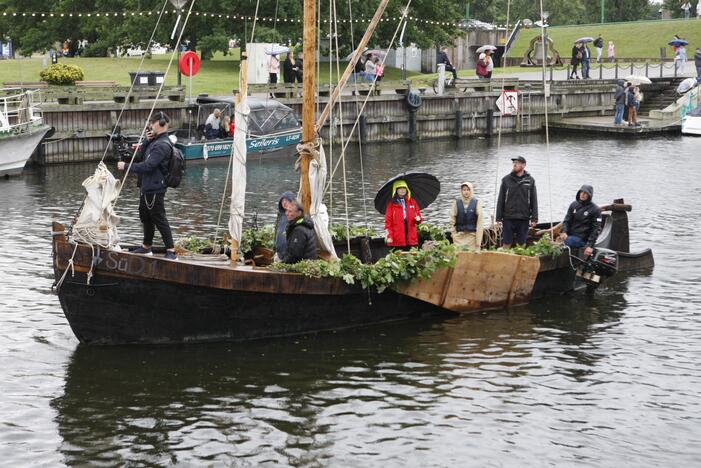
[
  {"x": 638, "y": 39},
  {"x": 217, "y": 76}
]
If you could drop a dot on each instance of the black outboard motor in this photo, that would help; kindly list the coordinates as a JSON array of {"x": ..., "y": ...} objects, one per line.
[{"x": 602, "y": 264}]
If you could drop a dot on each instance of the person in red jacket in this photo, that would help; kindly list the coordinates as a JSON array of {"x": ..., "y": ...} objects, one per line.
[{"x": 401, "y": 217}]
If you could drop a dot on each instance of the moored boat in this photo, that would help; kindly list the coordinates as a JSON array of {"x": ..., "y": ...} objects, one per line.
[
  {"x": 273, "y": 130},
  {"x": 21, "y": 130}
]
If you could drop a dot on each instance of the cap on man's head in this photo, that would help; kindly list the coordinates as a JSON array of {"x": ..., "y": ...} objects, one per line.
[{"x": 520, "y": 159}]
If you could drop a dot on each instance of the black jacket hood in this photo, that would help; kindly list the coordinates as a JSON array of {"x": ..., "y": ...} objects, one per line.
[
  {"x": 589, "y": 190},
  {"x": 289, "y": 196}
]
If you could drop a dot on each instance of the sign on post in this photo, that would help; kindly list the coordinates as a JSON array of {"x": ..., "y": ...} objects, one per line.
[{"x": 508, "y": 103}]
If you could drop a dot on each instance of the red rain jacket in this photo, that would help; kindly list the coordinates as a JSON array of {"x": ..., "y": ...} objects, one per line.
[{"x": 402, "y": 234}]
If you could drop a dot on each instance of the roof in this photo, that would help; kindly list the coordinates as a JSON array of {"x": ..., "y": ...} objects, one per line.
[{"x": 255, "y": 103}]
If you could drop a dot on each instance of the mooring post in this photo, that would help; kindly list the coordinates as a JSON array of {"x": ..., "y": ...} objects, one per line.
[
  {"x": 458, "y": 124},
  {"x": 616, "y": 65},
  {"x": 647, "y": 69},
  {"x": 601, "y": 71},
  {"x": 490, "y": 123},
  {"x": 661, "y": 67},
  {"x": 412, "y": 124},
  {"x": 568, "y": 71},
  {"x": 551, "y": 73},
  {"x": 632, "y": 68},
  {"x": 363, "y": 128}
]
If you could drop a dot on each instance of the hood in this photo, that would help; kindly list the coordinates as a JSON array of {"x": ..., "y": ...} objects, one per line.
[
  {"x": 587, "y": 189},
  {"x": 399, "y": 184},
  {"x": 289, "y": 196},
  {"x": 472, "y": 191}
]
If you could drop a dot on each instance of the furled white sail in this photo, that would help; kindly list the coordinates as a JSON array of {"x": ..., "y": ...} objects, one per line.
[
  {"x": 238, "y": 170},
  {"x": 317, "y": 210},
  {"x": 97, "y": 223}
]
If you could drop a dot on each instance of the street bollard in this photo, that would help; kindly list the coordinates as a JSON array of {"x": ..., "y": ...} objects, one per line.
[
  {"x": 661, "y": 67},
  {"x": 601, "y": 71},
  {"x": 647, "y": 69},
  {"x": 441, "y": 79}
]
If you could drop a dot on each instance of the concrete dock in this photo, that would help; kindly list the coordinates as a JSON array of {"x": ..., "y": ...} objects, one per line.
[{"x": 604, "y": 125}]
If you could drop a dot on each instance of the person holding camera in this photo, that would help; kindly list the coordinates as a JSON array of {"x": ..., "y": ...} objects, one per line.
[{"x": 155, "y": 155}]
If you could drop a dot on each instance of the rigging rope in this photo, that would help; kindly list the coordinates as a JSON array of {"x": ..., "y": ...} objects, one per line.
[
  {"x": 501, "y": 117},
  {"x": 546, "y": 93},
  {"x": 155, "y": 101},
  {"x": 372, "y": 88}
]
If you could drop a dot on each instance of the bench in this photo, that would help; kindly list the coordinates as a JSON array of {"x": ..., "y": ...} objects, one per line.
[
  {"x": 96, "y": 84},
  {"x": 26, "y": 84}
]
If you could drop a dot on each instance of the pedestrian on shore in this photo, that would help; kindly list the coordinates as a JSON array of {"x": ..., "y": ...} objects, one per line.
[
  {"x": 611, "y": 52},
  {"x": 288, "y": 72},
  {"x": 680, "y": 58},
  {"x": 467, "y": 225},
  {"x": 599, "y": 44},
  {"x": 620, "y": 98},
  {"x": 697, "y": 61},
  {"x": 582, "y": 222},
  {"x": 301, "y": 238},
  {"x": 281, "y": 225},
  {"x": 273, "y": 68},
  {"x": 586, "y": 60},
  {"x": 517, "y": 205},
  {"x": 442, "y": 58},
  {"x": 490, "y": 63},
  {"x": 402, "y": 217},
  {"x": 630, "y": 103},
  {"x": 698, "y": 10},
  {"x": 687, "y": 10},
  {"x": 155, "y": 155},
  {"x": 379, "y": 68},
  {"x": 482, "y": 69},
  {"x": 638, "y": 99},
  {"x": 576, "y": 59},
  {"x": 370, "y": 70},
  {"x": 299, "y": 68}
]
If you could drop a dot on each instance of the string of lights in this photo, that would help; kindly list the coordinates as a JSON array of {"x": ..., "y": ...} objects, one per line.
[{"x": 125, "y": 14}]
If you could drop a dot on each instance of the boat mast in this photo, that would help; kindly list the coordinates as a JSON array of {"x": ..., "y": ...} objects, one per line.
[{"x": 308, "y": 95}]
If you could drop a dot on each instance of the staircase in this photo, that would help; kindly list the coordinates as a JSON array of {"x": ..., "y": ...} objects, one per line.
[{"x": 660, "y": 94}]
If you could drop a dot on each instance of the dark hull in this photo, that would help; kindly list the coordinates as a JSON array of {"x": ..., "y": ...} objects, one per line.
[{"x": 116, "y": 310}]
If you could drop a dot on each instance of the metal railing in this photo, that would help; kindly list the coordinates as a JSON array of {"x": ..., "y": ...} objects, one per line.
[{"x": 18, "y": 110}]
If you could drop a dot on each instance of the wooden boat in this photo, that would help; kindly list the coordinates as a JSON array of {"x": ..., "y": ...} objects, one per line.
[
  {"x": 22, "y": 130},
  {"x": 273, "y": 130},
  {"x": 111, "y": 296}
]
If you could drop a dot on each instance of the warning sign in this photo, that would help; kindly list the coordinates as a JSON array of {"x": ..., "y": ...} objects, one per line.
[{"x": 508, "y": 103}]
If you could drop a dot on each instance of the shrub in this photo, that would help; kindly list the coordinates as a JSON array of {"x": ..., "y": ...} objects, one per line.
[{"x": 62, "y": 74}]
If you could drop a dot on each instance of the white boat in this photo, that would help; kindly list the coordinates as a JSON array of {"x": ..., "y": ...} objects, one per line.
[
  {"x": 21, "y": 130},
  {"x": 691, "y": 123}
]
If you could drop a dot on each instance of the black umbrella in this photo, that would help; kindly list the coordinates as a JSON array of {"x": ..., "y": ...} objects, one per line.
[{"x": 424, "y": 189}]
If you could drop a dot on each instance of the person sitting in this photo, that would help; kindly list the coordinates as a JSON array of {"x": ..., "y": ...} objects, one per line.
[
  {"x": 466, "y": 219},
  {"x": 401, "y": 217},
  {"x": 281, "y": 225},
  {"x": 225, "y": 127},
  {"x": 212, "y": 125},
  {"x": 582, "y": 222},
  {"x": 443, "y": 58},
  {"x": 301, "y": 238}
]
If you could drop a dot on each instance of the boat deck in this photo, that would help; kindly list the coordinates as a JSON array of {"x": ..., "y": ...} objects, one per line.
[{"x": 605, "y": 125}]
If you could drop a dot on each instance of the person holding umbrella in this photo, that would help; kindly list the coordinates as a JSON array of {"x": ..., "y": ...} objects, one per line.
[
  {"x": 576, "y": 59},
  {"x": 401, "y": 217}
]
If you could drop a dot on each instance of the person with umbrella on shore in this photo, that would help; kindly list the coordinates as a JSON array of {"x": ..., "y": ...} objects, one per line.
[
  {"x": 401, "y": 200},
  {"x": 576, "y": 59},
  {"x": 679, "y": 47}
]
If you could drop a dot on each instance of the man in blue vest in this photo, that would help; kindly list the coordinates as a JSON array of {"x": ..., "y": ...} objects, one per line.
[{"x": 466, "y": 221}]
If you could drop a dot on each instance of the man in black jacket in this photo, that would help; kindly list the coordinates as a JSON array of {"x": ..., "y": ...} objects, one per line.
[
  {"x": 155, "y": 155},
  {"x": 517, "y": 205},
  {"x": 443, "y": 58},
  {"x": 582, "y": 222},
  {"x": 301, "y": 238}
]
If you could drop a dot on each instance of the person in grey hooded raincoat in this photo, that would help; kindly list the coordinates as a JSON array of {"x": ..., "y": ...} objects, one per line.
[
  {"x": 582, "y": 222},
  {"x": 466, "y": 221},
  {"x": 281, "y": 224}
]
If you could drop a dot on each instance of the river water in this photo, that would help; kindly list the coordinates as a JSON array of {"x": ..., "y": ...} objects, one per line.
[{"x": 612, "y": 379}]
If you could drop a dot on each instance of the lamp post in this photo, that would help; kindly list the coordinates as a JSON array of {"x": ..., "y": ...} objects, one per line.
[
  {"x": 603, "y": 2},
  {"x": 178, "y": 4}
]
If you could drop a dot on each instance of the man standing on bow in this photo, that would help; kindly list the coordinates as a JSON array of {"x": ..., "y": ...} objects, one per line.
[
  {"x": 155, "y": 156},
  {"x": 517, "y": 205}
]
